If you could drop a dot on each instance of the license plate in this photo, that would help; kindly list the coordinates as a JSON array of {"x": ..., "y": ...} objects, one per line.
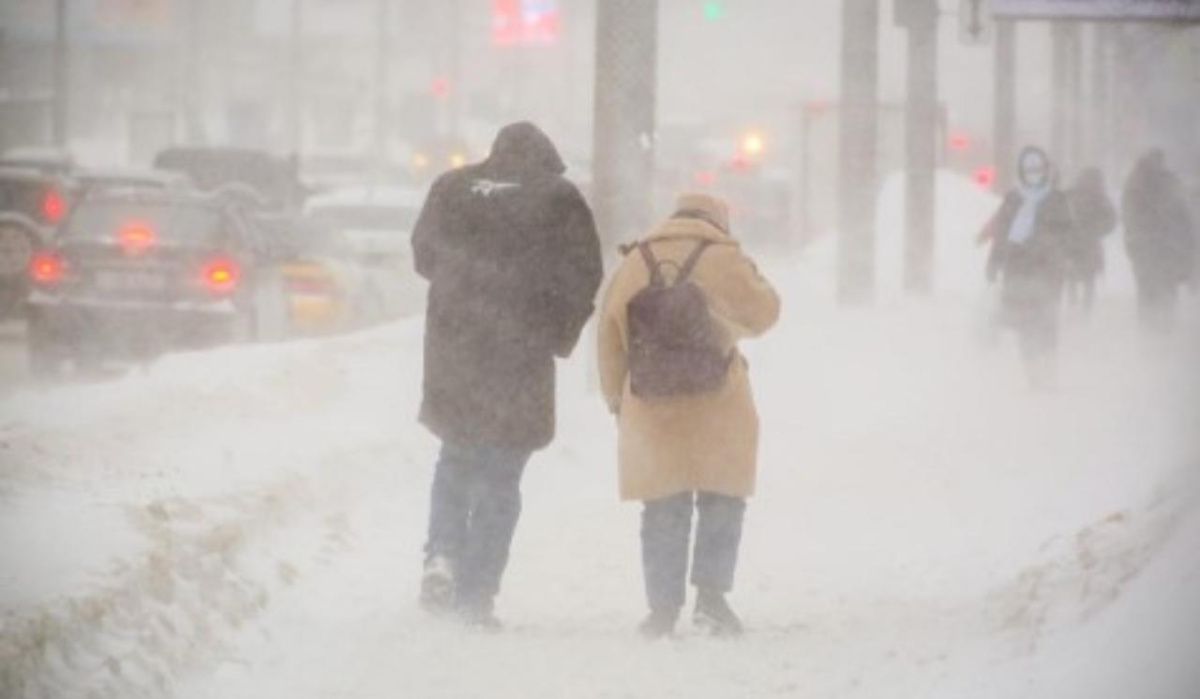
[{"x": 130, "y": 281}]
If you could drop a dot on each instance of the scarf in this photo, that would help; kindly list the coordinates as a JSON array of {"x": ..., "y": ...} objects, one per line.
[{"x": 1023, "y": 224}]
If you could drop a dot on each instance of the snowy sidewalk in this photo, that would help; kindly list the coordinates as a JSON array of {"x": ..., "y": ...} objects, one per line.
[{"x": 248, "y": 523}]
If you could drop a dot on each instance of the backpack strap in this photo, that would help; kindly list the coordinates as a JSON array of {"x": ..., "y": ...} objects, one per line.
[
  {"x": 690, "y": 263},
  {"x": 656, "y": 277}
]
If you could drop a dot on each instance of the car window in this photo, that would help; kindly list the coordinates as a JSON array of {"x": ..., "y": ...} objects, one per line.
[{"x": 179, "y": 223}]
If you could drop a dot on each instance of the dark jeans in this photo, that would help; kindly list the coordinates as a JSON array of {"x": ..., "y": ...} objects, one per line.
[
  {"x": 666, "y": 530},
  {"x": 474, "y": 508}
]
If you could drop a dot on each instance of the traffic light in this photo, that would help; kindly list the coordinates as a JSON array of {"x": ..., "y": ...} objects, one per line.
[
  {"x": 714, "y": 10},
  {"x": 440, "y": 87},
  {"x": 960, "y": 141},
  {"x": 985, "y": 176},
  {"x": 753, "y": 144}
]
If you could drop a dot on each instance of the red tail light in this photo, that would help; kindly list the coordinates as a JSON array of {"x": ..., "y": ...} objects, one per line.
[
  {"x": 54, "y": 207},
  {"x": 221, "y": 276},
  {"x": 137, "y": 237},
  {"x": 47, "y": 269}
]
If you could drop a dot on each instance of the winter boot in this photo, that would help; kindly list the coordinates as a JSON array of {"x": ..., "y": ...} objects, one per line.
[
  {"x": 713, "y": 614},
  {"x": 479, "y": 613},
  {"x": 437, "y": 586},
  {"x": 658, "y": 624}
]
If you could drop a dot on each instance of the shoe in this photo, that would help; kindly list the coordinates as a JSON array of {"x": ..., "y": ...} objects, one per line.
[
  {"x": 479, "y": 614},
  {"x": 658, "y": 624},
  {"x": 714, "y": 615},
  {"x": 437, "y": 586}
]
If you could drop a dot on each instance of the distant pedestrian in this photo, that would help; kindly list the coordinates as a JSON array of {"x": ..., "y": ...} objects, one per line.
[
  {"x": 511, "y": 252},
  {"x": 1159, "y": 237},
  {"x": 1030, "y": 235},
  {"x": 688, "y": 430},
  {"x": 1095, "y": 218}
]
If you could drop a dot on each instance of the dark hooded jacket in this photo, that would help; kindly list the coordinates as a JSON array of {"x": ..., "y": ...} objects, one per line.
[
  {"x": 1158, "y": 225},
  {"x": 510, "y": 249},
  {"x": 1095, "y": 218},
  {"x": 1041, "y": 260}
]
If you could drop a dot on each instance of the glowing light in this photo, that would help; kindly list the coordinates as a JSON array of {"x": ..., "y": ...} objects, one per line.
[
  {"x": 137, "y": 237},
  {"x": 458, "y": 160},
  {"x": 985, "y": 176},
  {"x": 706, "y": 178},
  {"x": 960, "y": 141},
  {"x": 753, "y": 144},
  {"x": 420, "y": 161},
  {"x": 221, "y": 275},
  {"x": 47, "y": 268},
  {"x": 54, "y": 207}
]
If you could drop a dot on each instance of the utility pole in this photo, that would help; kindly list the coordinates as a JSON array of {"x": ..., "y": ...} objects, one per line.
[
  {"x": 382, "y": 80},
  {"x": 1101, "y": 130},
  {"x": 295, "y": 126},
  {"x": 857, "y": 142},
  {"x": 61, "y": 114},
  {"x": 920, "y": 141},
  {"x": 625, "y": 102},
  {"x": 1004, "y": 104}
]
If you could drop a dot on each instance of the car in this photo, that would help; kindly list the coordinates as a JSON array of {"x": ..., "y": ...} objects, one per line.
[
  {"x": 273, "y": 180},
  {"x": 132, "y": 274},
  {"x": 90, "y": 181},
  {"x": 48, "y": 161},
  {"x": 32, "y": 204},
  {"x": 367, "y": 249}
]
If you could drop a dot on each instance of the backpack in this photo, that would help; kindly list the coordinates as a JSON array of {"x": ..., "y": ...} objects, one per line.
[{"x": 674, "y": 347}]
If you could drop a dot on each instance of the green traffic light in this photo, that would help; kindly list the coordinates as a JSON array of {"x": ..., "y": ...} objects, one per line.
[{"x": 714, "y": 10}]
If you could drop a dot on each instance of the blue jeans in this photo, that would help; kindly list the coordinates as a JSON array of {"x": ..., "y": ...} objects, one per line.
[
  {"x": 666, "y": 531},
  {"x": 474, "y": 507}
]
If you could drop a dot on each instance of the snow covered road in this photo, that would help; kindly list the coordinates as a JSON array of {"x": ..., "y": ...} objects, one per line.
[{"x": 248, "y": 523}]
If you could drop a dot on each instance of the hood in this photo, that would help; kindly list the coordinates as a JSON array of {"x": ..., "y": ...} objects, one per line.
[
  {"x": 705, "y": 207},
  {"x": 1028, "y": 151},
  {"x": 524, "y": 149}
]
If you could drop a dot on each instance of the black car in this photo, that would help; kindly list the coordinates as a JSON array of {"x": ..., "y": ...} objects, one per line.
[
  {"x": 132, "y": 274},
  {"x": 32, "y": 205}
]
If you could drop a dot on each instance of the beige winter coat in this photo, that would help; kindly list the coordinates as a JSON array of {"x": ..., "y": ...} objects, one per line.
[{"x": 706, "y": 442}]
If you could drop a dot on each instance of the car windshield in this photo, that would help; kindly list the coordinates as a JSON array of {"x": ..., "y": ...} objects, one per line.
[
  {"x": 179, "y": 223},
  {"x": 375, "y": 218}
]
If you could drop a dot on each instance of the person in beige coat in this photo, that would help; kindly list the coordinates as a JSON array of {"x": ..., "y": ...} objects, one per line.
[{"x": 697, "y": 451}]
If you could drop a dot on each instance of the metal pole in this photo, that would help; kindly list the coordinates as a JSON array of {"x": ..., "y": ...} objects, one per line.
[
  {"x": 1074, "y": 108},
  {"x": 61, "y": 112},
  {"x": 921, "y": 128},
  {"x": 624, "y": 121},
  {"x": 1004, "y": 104},
  {"x": 382, "y": 81},
  {"x": 294, "y": 125},
  {"x": 1101, "y": 103},
  {"x": 1060, "y": 71},
  {"x": 857, "y": 142}
]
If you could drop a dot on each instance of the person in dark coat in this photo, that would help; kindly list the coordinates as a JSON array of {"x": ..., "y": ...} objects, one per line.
[
  {"x": 510, "y": 249},
  {"x": 1159, "y": 238},
  {"x": 1095, "y": 218},
  {"x": 1030, "y": 234}
]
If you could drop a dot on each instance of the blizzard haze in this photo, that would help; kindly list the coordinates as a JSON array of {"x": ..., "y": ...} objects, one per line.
[{"x": 933, "y": 517}]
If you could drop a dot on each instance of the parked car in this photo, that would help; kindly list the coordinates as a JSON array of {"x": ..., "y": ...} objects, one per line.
[
  {"x": 132, "y": 274},
  {"x": 32, "y": 205}
]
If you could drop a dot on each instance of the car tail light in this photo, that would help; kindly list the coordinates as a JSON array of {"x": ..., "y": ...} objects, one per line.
[
  {"x": 54, "y": 206},
  {"x": 47, "y": 269},
  {"x": 221, "y": 276},
  {"x": 137, "y": 237}
]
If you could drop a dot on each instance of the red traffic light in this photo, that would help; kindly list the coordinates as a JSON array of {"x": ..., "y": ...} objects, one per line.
[
  {"x": 440, "y": 87},
  {"x": 960, "y": 141},
  {"x": 985, "y": 176}
]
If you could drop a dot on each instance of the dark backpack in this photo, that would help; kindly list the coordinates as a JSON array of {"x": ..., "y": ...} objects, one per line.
[{"x": 674, "y": 347}]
